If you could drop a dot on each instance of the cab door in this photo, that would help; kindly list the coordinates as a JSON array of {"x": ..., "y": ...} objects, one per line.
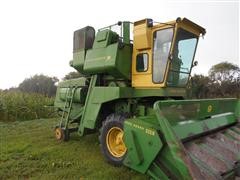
[{"x": 151, "y": 49}]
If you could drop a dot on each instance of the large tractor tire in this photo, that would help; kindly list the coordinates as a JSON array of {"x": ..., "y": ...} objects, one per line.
[{"x": 111, "y": 139}]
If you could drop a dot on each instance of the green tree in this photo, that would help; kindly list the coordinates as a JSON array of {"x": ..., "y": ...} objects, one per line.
[
  {"x": 39, "y": 84},
  {"x": 200, "y": 86},
  {"x": 225, "y": 80},
  {"x": 72, "y": 75},
  {"x": 224, "y": 72}
]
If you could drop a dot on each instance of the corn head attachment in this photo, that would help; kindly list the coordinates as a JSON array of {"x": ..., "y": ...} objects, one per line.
[{"x": 186, "y": 139}]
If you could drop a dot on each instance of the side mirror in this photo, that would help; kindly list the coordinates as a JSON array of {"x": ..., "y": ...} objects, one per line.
[{"x": 195, "y": 63}]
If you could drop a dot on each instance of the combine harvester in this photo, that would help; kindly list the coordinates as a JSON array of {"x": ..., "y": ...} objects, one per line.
[{"x": 134, "y": 93}]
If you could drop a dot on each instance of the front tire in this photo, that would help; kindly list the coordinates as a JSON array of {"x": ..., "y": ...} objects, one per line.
[
  {"x": 111, "y": 139},
  {"x": 61, "y": 134}
]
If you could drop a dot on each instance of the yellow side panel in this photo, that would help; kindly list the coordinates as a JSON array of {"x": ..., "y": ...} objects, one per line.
[
  {"x": 142, "y": 35},
  {"x": 144, "y": 81}
]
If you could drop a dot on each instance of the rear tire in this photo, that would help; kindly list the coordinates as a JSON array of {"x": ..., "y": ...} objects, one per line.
[{"x": 111, "y": 139}]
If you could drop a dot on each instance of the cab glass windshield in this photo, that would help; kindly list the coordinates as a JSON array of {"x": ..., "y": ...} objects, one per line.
[
  {"x": 182, "y": 57},
  {"x": 162, "y": 41}
]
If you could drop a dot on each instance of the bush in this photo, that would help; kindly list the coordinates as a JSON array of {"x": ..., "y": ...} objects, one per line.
[
  {"x": 16, "y": 105},
  {"x": 39, "y": 84}
]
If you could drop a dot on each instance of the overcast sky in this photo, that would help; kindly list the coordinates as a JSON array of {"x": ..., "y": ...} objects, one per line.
[{"x": 36, "y": 35}]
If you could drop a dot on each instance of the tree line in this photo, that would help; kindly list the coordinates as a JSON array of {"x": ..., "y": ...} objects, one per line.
[
  {"x": 223, "y": 80},
  {"x": 42, "y": 84}
]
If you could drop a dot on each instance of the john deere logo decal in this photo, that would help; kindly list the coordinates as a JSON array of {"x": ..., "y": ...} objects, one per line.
[{"x": 209, "y": 109}]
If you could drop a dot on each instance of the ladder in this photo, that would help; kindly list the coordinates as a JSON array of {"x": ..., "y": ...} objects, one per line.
[{"x": 67, "y": 108}]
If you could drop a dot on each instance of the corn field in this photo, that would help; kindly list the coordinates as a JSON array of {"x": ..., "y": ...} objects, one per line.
[{"x": 23, "y": 106}]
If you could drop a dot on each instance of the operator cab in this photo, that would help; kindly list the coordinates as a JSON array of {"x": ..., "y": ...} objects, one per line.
[{"x": 163, "y": 53}]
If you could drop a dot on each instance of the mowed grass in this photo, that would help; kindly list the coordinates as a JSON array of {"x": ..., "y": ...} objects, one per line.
[{"x": 28, "y": 150}]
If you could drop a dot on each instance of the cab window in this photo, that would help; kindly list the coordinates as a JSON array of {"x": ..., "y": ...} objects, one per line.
[
  {"x": 183, "y": 54},
  {"x": 142, "y": 62},
  {"x": 162, "y": 40}
]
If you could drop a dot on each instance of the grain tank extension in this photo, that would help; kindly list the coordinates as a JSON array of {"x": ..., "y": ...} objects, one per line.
[{"x": 133, "y": 92}]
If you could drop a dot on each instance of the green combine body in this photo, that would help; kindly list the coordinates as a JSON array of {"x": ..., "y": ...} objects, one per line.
[{"x": 133, "y": 92}]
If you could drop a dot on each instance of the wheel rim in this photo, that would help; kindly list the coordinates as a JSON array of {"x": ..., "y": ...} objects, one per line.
[
  {"x": 115, "y": 142},
  {"x": 58, "y": 133}
]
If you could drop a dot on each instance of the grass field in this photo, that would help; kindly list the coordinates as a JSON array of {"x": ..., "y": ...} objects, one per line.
[{"x": 28, "y": 150}]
